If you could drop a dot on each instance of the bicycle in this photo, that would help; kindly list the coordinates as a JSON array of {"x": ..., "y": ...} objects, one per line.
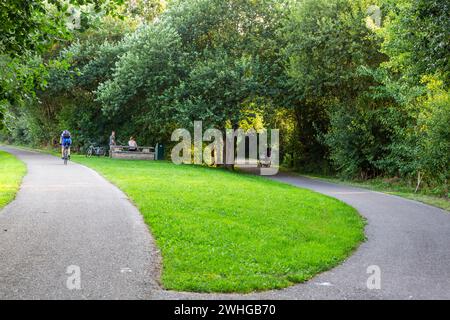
[
  {"x": 66, "y": 154},
  {"x": 96, "y": 151}
]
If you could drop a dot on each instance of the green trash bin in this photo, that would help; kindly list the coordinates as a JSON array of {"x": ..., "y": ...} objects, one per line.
[{"x": 159, "y": 151}]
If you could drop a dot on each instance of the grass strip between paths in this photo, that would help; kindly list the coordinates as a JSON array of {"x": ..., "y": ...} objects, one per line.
[{"x": 220, "y": 231}]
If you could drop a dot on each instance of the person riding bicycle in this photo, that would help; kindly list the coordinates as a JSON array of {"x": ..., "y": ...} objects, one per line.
[{"x": 65, "y": 141}]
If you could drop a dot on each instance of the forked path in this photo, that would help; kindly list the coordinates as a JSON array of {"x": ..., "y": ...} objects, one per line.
[
  {"x": 70, "y": 216},
  {"x": 65, "y": 218}
]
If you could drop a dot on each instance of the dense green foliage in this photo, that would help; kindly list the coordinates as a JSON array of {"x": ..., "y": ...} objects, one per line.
[
  {"x": 356, "y": 87},
  {"x": 275, "y": 235},
  {"x": 11, "y": 172}
]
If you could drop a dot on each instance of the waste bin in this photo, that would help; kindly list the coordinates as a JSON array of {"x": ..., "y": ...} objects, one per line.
[{"x": 159, "y": 151}]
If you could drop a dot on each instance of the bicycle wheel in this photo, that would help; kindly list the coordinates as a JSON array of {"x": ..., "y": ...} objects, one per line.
[
  {"x": 65, "y": 156},
  {"x": 89, "y": 152}
]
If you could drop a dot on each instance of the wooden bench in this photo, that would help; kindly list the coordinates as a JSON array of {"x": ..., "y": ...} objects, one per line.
[{"x": 124, "y": 152}]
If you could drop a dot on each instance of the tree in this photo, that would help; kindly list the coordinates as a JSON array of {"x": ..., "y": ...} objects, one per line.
[
  {"x": 63, "y": 98},
  {"x": 416, "y": 40},
  {"x": 200, "y": 61},
  {"x": 142, "y": 79},
  {"x": 28, "y": 29},
  {"x": 327, "y": 43}
]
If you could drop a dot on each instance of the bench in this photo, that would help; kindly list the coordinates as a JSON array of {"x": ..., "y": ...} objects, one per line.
[{"x": 124, "y": 152}]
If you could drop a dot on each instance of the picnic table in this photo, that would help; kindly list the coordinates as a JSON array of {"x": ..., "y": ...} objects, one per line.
[{"x": 124, "y": 152}]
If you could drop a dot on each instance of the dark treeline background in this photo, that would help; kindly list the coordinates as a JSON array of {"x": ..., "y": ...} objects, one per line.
[{"x": 357, "y": 87}]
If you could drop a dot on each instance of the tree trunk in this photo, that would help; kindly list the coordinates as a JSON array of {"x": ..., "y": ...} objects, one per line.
[{"x": 419, "y": 180}]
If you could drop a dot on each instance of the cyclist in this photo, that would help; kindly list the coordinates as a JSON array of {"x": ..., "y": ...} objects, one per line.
[{"x": 65, "y": 140}]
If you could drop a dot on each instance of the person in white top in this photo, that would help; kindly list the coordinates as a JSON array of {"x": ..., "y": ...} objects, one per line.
[{"x": 132, "y": 145}]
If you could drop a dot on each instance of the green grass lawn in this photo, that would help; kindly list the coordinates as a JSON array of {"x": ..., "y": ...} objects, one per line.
[
  {"x": 11, "y": 172},
  {"x": 220, "y": 231}
]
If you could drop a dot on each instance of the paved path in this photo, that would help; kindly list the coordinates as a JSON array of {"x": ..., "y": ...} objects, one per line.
[{"x": 71, "y": 216}]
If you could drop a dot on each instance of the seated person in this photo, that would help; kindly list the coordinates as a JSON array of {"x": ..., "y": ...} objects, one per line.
[{"x": 132, "y": 144}]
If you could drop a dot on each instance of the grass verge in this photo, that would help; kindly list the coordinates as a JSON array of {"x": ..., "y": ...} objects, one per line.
[
  {"x": 224, "y": 232},
  {"x": 12, "y": 171}
]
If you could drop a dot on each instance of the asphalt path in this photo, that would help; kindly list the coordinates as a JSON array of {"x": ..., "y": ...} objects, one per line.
[{"x": 67, "y": 221}]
